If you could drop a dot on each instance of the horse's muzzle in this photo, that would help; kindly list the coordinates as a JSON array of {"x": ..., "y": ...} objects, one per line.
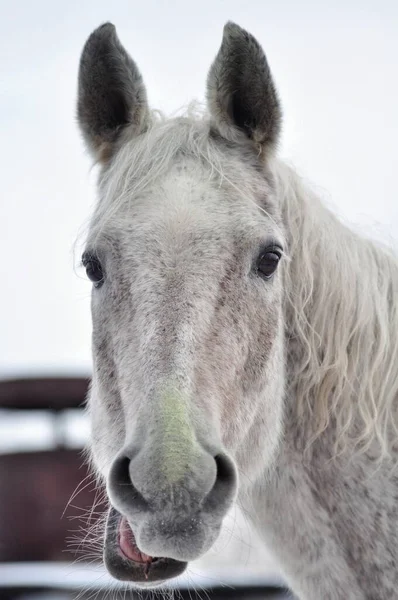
[{"x": 153, "y": 533}]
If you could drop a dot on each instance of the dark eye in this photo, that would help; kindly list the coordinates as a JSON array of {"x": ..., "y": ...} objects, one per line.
[
  {"x": 268, "y": 262},
  {"x": 93, "y": 269}
]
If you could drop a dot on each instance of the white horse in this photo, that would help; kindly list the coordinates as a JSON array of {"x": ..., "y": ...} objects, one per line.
[{"x": 245, "y": 341}]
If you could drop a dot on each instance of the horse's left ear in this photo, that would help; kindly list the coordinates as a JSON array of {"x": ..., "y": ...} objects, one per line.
[
  {"x": 111, "y": 96},
  {"x": 240, "y": 91}
]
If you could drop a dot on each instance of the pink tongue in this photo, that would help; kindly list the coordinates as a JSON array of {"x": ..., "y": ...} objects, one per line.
[{"x": 128, "y": 545}]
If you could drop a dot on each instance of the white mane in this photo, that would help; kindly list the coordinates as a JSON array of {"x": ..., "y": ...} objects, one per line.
[{"x": 342, "y": 312}]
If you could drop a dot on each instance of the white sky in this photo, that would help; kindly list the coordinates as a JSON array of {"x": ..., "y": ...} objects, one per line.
[{"x": 336, "y": 68}]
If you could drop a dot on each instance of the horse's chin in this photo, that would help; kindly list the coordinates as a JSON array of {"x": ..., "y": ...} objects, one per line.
[{"x": 125, "y": 562}]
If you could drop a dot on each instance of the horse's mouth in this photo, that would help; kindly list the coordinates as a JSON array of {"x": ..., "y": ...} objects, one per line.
[{"x": 125, "y": 561}]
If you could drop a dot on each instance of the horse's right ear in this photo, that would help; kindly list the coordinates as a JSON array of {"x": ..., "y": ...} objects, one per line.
[
  {"x": 241, "y": 94},
  {"x": 111, "y": 95}
]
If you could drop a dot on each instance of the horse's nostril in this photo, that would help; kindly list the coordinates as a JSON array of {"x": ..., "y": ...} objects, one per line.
[
  {"x": 223, "y": 492},
  {"x": 122, "y": 491},
  {"x": 226, "y": 472},
  {"x": 225, "y": 468}
]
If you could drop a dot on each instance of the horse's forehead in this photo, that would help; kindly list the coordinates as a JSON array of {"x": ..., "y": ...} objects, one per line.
[
  {"x": 186, "y": 215},
  {"x": 189, "y": 194}
]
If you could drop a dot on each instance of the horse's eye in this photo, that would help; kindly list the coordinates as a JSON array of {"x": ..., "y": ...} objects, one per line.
[
  {"x": 267, "y": 262},
  {"x": 93, "y": 269}
]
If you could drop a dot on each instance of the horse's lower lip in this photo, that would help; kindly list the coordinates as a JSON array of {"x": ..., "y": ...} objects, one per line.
[{"x": 126, "y": 562}]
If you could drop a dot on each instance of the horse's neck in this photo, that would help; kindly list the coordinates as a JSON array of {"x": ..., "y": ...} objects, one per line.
[{"x": 341, "y": 321}]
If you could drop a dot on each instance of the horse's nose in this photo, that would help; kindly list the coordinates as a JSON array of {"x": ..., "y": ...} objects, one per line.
[{"x": 141, "y": 482}]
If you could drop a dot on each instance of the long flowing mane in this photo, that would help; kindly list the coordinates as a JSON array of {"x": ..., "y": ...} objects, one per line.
[{"x": 342, "y": 323}]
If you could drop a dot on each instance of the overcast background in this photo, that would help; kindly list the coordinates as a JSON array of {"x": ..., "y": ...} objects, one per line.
[{"x": 335, "y": 65}]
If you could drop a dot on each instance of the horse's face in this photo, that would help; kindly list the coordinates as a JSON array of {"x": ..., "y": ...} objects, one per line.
[{"x": 187, "y": 322}]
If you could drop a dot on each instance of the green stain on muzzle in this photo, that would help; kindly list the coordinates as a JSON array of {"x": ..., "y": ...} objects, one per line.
[{"x": 178, "y": 446}]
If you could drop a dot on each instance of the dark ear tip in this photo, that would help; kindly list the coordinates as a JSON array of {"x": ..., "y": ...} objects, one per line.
[
  {"x": 106, "y": 30},
  {"x": 232, "y": 29},
  {"x": 106, "y": 26},
  {"x": 102, "y": 37},
  {"x": 231, "y": 25}
]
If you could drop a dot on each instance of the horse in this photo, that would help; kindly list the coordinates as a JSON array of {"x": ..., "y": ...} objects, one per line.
[{"x": 245, "y": 345}]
